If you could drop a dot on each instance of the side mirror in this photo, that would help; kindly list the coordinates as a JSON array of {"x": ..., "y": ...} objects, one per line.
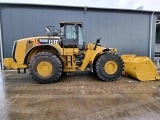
[{"x": 98, "y": 40}]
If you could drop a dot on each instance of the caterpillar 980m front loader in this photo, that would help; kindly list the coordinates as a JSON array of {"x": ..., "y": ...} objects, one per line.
[{"x": 47, "y": 57}]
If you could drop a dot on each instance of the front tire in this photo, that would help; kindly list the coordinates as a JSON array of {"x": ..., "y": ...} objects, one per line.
[
  {"x": 109, "y": 67},
  {"x": 45, "y": 67}
]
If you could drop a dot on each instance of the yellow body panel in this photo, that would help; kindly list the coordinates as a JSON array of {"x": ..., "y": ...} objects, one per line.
[
  {"x": 21, "y": 49},
  {"x": 141, "y": 68}
]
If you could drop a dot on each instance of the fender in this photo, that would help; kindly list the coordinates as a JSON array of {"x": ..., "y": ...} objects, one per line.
[
  {"x": 36, "y": 47},
  {"x": 97, "y": 53}
]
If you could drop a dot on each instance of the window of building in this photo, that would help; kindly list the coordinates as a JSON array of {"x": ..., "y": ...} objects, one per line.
[{"x": 158, "y": 35}]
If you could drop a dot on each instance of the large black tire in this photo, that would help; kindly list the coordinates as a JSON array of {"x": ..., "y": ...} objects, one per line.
[
  {"x": 109, "y": 67},
  {"x": 45, "y": 67}
]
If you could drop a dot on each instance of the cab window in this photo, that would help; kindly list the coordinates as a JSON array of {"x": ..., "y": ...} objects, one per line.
[{"x": 70, "y": 32}]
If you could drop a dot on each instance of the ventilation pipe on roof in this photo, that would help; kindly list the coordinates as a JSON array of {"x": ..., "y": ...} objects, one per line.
[
  {"x": 140, "y": 8},
  {"x": 150, "y": 36},
  {"x": 85, "y": 9}
]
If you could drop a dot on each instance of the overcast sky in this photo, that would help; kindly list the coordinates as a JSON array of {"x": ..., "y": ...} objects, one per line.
[{"x": 128, "y": 4}]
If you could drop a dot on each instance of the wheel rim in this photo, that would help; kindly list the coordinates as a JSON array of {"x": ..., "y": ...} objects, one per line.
[
  {"x": 44, "y": 68},
  {"x": 110, "y": 67}
]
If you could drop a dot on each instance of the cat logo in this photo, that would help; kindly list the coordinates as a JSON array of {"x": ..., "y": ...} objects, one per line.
[{"x": 44, "y": 41}]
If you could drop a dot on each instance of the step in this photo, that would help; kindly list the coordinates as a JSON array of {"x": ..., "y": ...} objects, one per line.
[{"x": 69, "y": 66}]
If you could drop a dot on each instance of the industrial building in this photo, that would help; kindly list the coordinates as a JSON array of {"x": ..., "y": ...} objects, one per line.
[
  {"x": 130, "y": 31},
  {"x": 81, "y": 96}
]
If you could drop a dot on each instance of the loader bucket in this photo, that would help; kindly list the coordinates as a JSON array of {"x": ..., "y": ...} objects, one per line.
[{"x": 139, "y": 67}]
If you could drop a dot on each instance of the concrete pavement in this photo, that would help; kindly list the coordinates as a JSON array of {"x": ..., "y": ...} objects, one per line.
[{"x": 78, "y": 97}]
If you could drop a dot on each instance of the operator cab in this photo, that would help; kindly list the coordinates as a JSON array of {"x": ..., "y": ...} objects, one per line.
[{"x": 72, "y": 36}]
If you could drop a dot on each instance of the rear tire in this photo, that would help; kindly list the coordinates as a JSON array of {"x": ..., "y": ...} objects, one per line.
[
  {"x": 109, "y": 67},
  {"x": 45, "y": 67}
]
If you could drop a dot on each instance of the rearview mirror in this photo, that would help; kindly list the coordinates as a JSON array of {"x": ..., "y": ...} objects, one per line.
[{"x": 98, "y": 40}]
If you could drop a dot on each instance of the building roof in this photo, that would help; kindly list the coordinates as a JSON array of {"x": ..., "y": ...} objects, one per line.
[{"x": 85, "y": 8}]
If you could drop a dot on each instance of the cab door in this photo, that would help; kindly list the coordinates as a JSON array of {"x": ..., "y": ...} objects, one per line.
[{"x": 70, "y": 38}]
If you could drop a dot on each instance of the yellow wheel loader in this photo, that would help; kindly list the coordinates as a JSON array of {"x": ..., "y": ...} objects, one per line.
[{"x": 47, "y": 57}]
